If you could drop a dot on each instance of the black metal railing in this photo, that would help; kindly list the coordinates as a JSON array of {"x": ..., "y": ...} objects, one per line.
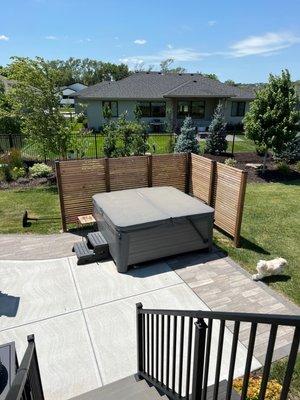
[
  {"x": 27, "y": 384},
  {"x": 174, "y": 350}
]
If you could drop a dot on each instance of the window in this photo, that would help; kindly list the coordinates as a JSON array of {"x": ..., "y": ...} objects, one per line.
[
  {"x": 155, "y": 109},
  {"x": 113, "y": 106},
  {"x": 183, "y": 108},
  {"x": 195, "y": 109},
  {"x": 198, "y": 109},
  {"x": 238, "y": 108},
  {"x": 145, "y": 108},
  {"x": 158, "y": 109}
]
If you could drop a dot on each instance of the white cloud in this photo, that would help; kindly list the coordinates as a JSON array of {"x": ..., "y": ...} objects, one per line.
[
  {"x": 211, "y": 23},
  {"x": 177, "y": 54},
  {"x": 51, "y": 37},
  {"x": 169, "y": 46},
  {"x": 4, "y": 38},
  {"x": 140, "y": 41},
  {"x": 263, "y": 45}
]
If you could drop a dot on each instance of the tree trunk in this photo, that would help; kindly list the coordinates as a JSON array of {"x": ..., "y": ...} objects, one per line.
[{"x": 265, "y": 161}]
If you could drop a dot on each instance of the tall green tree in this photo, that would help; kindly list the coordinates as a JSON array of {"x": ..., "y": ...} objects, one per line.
[
  {"x": 271, "y": 120},
  {"x": 165, "y": 67},
  {"x": 216, "y": 142},
  {"x": 187, "y": 141},
  {"x": 35, "y": 100}
]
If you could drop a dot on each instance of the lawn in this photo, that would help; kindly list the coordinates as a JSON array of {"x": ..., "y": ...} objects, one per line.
[
  {"x": 158, "y": 144},
  {"x": 271, "y": 228},
  {"x": 40, "y": 202}
]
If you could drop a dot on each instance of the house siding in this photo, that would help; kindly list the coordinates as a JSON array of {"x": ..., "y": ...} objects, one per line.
[{"x": 96, "y": 119}]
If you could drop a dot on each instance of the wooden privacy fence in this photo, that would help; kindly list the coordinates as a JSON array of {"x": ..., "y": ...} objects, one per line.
[{"x": 214, "y": 183}]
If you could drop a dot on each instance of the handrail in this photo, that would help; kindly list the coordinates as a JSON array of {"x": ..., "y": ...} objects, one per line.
[
  {"x": 174, "y": 349},
  {"x": 280, "y": 319},
  {"x": 27, "y": 380}
]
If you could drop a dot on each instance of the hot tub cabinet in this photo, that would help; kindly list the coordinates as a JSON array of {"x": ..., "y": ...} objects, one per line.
[{"x": 149, "y": 223}]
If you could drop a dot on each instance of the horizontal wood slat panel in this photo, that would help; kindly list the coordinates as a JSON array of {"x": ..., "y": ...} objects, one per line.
[
  {"x": 228, "y": 198},
  {"x": 169, "y": 170},
  {"x": 128, "y": 172},
  {"x": 201, "y": 177}
]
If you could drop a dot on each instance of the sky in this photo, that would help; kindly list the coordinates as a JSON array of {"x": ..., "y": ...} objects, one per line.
[{"x": 239, "y": 40}]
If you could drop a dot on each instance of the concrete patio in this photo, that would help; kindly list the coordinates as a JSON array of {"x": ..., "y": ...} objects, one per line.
[{"x": 83, "y": 317}]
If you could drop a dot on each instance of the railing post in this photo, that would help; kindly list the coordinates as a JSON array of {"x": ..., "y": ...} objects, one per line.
[
  {"x": 199, "y": 351},
  {"x": 34, "y": 373},
  {"x": 139, "y": 337}
]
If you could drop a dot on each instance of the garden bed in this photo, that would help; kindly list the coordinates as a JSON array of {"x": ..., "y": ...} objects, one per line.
[{"x": 271, "y": 175}]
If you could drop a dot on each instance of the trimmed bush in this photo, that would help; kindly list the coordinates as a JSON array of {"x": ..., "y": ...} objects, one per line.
[
  {"x": 231, "y": 162},
  {"x": 18, "y": 172},
  {"x": 15, "y": 158},
  {"x": 5, "y": 173},
  {"x": 283, "y": 167},
  {"x": 40, "y": 170}
]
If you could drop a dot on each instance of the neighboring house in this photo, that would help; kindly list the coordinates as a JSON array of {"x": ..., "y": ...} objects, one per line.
[
  {"x": 67, "y": 93},
  {"x": 165, "y": 99}
]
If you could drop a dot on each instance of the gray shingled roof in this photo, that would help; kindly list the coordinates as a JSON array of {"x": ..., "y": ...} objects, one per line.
[
  {"x": 6, "y": 82},
  {"x": 156, "y": 85}
]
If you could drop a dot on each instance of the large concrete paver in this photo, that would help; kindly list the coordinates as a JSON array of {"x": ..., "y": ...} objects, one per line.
[{"x": 66, "y": 359}]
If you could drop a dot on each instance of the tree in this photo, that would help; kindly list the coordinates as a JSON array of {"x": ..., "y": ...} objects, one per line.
[
  {"x": 187, "y": 141},
  {"x": 211, "y": 76},
  {"x": 271, "y": 120},
  {"x": 230, "y": 82},
  {"x": 35, "y": 100},
  {"x": 216, "y": 142},
  {"x": 166, "y": 64},
  {"x": 9, "y": 123}
]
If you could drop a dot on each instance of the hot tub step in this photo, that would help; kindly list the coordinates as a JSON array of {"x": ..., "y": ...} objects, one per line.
[
  {"x": 84, "y": 254},
  {"x": 97, "y": 242}
]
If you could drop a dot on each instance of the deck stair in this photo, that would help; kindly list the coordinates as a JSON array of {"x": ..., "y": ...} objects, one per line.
[
  {"x": 94, "y": 249},
  {"x": 126, "y": 389}
]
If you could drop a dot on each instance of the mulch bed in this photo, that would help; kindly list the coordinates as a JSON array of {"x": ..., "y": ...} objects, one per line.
[
  {"x": 271, "y": 175},
  {"x": 23, "y": 183}
]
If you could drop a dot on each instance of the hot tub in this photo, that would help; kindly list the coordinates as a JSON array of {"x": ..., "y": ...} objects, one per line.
[{"x": 149, "y": 223}]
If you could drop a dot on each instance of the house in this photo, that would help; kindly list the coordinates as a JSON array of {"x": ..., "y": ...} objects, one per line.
[
  {"x": 165, "y": 98},
  {"x": 6, "y": 83},
  {"x": 67, "y": 93}
]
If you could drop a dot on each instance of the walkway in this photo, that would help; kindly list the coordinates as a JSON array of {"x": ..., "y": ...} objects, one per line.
[{"x": 37, "y": 247}]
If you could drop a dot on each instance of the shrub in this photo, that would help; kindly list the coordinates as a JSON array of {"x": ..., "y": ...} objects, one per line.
[
  {"x": 5, "y": 173},
  {"x": 272, "y": 393},
  {"x": 18, "y": 172},
  {"x": 187, "y": 141},
  {"x": 80, "y": 117},
  {"x": 40, "y": 170},
  {"x": 283, "y": 167},
  {"x": 216, "y": 143},
  {"x": 15, "y": 158},
  {"x": 298, "y": 166},
  {"x": 289, "y": 152},
  {"x": 231, "y": 162}
]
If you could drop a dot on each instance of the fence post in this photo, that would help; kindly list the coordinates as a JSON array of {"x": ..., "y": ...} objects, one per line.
[
  {"x": 139, "y": 339},
  {"x": 96, "y": 150},
  {"x": 107, "y": 174},
  {"x": 149, "y": 164},
  {"x": 199, "y": 350},
  {"x": 60, "y": 193},
  {"x": 212, "y": 184},
  {"x": 34, "y": 373},
  {"x": 188, "y": 172},
  {"x": 240, "y": 207}
]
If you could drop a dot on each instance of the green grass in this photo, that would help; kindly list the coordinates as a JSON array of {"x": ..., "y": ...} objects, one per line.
[
  {"x": 271, "y": 228},
  {"x": 245, "y": 145},
  {"x": 40, "y": 202}
]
